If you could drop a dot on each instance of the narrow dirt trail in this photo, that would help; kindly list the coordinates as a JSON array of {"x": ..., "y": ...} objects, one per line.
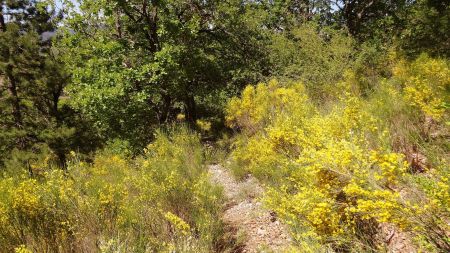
[{"x": 258, "y": 228}]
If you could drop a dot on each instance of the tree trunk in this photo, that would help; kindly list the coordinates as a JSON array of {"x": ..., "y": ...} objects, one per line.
[
  {"x": 118, "y": 24},
  {"x": 2, "y": 18},
  {"x": 190, "y": 109},
  {"x": 16, "y": 111},
  {"x": 165, "y": 111},
  {"x": 12, "y": 88},
  {"x": 151, "y": 17}
]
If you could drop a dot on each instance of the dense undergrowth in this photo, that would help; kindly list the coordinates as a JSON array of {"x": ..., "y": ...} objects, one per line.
[
  {"x": 351, "y": 141},
  {"x": 341, "y": 170},
  {"x": 161, "y": 201}
]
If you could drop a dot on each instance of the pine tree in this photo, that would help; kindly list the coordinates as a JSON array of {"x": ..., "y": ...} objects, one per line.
[{"x": 32, "y": 81}]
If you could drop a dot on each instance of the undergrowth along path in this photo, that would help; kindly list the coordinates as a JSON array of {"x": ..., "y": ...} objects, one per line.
[{"x": 256, "y": 228}]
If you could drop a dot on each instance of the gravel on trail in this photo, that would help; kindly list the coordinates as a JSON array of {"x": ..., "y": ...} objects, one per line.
[{"x": 261, "y": 230}]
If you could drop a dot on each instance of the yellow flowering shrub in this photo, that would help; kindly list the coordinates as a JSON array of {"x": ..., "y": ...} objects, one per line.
[
  {"x": 40, "y": 208},
  {"x": 178, "y": 223},
  {"x": 22, "y": 249},
  {"x": 204, "y": 125},
  {"x": 181, "y": 117},
  {"x": 426, "y": 84},
  {"x": 258, "y": 105},
  {"x": 330, "y": 176},
  {"x": 161, "y": 201}
]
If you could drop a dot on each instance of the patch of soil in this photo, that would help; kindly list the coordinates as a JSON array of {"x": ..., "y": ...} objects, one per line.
[{"x": 256, "y": 228}]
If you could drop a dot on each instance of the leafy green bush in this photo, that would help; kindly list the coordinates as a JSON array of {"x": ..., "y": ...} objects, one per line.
[{"x": 317, "y": 56}]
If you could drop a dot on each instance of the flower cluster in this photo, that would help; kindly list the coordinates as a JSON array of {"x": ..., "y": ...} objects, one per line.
[
  {"x": 426, "y": 83},
  {"x": 329, "y": 174},
  {"x": 116, "y": 202}
]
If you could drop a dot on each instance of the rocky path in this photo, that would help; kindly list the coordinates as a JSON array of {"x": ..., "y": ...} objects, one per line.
[{"x": 257, "y": 229}]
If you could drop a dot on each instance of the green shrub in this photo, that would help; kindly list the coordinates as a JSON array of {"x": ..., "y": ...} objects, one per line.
[{"x": 160, "y": 201}]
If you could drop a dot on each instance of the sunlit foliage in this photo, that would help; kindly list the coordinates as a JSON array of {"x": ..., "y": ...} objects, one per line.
[
  {"x": 426, "y": 84},
  {"x": 330, "y": 176},
  {"x": 161, "y": 201}
]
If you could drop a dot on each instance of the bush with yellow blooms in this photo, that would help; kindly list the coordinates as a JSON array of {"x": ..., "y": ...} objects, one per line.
[
  {"x": 161, "y": 201},
  {"x": 329, "y": 174},
  {"x": 426, "y": 84}
]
